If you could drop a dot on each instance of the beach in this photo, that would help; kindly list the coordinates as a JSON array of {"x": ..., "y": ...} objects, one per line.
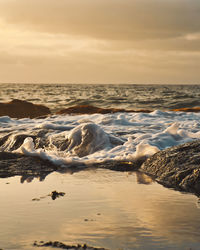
[{"x": 75, "y": 177}]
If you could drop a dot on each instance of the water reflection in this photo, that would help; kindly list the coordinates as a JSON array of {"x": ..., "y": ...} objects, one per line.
[
  {"x": 29, "y": 178},
  {"x": 101, "y": 208},
  {"x": 42, "y": 175},
  {"x": 143, "y": 178},
  {"x": 198, "y": 203}
]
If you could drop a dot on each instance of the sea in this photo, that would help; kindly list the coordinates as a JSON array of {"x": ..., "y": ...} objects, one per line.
[{"x": 101, "y": 207}]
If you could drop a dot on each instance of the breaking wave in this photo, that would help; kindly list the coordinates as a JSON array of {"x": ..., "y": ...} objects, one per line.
[{"x": 97, "y": 138}]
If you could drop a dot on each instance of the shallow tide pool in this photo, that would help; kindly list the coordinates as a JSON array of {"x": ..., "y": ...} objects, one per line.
[{"x": 102, "y": 208}]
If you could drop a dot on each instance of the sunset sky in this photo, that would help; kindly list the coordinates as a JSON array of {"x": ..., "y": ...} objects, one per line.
[{"x": 100, "y": 41}]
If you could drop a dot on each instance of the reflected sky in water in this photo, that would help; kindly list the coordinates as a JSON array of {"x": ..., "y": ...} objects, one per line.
[{"x": 115, "y": 210}]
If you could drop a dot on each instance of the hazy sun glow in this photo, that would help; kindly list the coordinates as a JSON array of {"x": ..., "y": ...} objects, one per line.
[{"x": 93, "y": 41}]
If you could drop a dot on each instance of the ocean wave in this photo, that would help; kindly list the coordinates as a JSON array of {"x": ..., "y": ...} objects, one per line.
[{"x": 97, "y": 138}]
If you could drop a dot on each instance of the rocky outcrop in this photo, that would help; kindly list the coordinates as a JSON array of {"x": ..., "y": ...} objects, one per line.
[
  {"x": 22, "y": 109},
  {"x": 195, "y": 109},
  {"x": 177, "y": 167},
  {"x": 13, "y": 164},
  {"x": 88, "y": 109},
  {"x": 30, "y": 167}
]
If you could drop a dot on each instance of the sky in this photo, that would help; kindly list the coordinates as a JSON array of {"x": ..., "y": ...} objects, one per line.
[{"x": 100, "y": 41}]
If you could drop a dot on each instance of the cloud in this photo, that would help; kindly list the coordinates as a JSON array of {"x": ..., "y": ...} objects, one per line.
[
  {"x": 100, "y": 40},
  {"x": 108, "y": 20}
]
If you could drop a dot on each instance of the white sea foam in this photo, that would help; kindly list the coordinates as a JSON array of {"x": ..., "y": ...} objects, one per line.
[{"x": 96, "y": 138}]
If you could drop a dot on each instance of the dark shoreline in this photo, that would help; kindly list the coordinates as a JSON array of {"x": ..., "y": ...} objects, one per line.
[
  {"x": 24, "y": 109},
  {"x": 176, "y": 167}
]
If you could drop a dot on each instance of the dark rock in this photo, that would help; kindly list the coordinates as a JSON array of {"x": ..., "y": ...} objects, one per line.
[
  {"x": 12, "y": 164},
  {"x": 176, "y": 167},
  {"x": 54, "y": 194},
  {"x": 22, "y": 109},
  {"x": 88, "y": 109},
  {"x": 57, "y": 244},
  {"x": 120, "y": 165},
  {"x": 195, "y": 109},
  {"x": 30, "y": 167}
]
